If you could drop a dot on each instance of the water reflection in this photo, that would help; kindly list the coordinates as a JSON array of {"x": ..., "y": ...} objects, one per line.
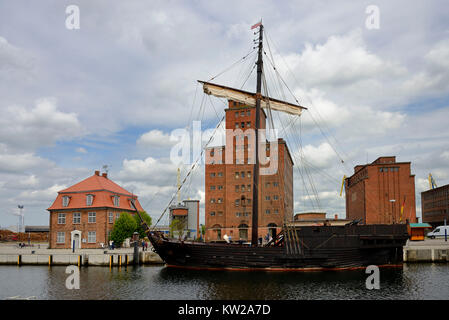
[{"x": 414, "y": 281}]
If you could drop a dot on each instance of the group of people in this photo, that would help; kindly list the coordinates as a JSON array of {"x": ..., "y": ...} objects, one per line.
[{"x": 144, "y": 245}]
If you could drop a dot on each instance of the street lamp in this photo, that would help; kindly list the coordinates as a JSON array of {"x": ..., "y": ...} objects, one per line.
[{"x": 392, "y": 209}]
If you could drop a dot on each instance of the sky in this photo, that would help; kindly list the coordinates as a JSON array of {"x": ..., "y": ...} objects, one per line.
[{"x": 112, "y": 89}]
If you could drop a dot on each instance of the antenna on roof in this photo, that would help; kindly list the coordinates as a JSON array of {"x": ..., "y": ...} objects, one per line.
[{"x": 105, "y": 168}]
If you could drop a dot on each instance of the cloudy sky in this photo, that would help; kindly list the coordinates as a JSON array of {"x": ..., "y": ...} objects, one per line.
[{"x": 112, "y": 92}]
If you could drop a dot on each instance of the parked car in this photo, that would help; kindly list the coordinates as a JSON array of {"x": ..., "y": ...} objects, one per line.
[{"x": 438, "y": 232}]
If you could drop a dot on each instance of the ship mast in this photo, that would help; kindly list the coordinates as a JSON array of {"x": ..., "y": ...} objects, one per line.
[{"x": 255, "y": 211}]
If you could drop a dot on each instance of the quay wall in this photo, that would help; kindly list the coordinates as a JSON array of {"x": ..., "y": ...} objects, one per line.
[
  {"x": 416, "y": 254},
  {"x": 82, "y": 259}
]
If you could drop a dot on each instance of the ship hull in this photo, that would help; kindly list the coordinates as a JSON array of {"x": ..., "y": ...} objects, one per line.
[{"x": 310, "y": 249}]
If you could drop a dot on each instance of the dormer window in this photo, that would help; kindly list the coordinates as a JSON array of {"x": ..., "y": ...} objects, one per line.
[
  {"x": 89, "y": 199},
  {"x": 116, "y": 200},
  {"x": 65, "y": 201}
]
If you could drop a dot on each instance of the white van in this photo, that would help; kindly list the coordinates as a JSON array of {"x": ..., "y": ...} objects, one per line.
[{"x": 438, "y": 232}]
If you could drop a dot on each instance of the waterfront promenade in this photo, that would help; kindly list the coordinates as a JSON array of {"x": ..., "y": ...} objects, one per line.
[{"x": 38, "y": 254}]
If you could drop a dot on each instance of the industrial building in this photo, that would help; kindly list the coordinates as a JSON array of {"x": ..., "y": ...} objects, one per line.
[
  {"x": 229, "y": 180},
  {"x": 382, "y": 192},
  {"x": 83, "y": 215},
  {"x": 435, "y": 206}
]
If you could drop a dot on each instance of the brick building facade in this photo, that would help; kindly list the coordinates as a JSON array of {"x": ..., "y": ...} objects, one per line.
[
  {"x": 435, "y": 206},
  {"x": 382, "y": 192},
  {"x": 229, "y": 180},
  {"x": 84, "y": 214}
]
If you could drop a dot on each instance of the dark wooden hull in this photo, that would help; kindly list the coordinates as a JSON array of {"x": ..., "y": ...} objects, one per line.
[{"x": 311, "y": 248}]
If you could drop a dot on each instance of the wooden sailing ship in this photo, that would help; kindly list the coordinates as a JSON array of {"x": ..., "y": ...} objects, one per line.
[{"x": 294, "y": 248}]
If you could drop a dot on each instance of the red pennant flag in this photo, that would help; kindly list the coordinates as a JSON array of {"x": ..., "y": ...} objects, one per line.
[{"x": 256, "y": 25}]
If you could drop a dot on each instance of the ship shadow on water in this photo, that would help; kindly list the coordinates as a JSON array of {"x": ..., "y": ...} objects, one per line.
[{"x": 270, "y": 285}]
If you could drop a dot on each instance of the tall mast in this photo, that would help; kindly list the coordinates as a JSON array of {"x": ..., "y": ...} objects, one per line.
[{"x": 255, "y": 216}]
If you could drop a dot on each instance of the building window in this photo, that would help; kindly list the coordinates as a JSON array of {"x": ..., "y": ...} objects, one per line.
[
  {"x": 248, "y": 113},
  {"x": 242, "y": 114},
  {"x": 76, "y": 217},
  {"x": 242, "y": 174},
  {"x": 220, "y": 187},
  {"x": 267, "y": 197},
  {"x": 236, "y": 114},
  {"x": 275, "y": 197},
  {"x": 236, "y": 125},
  {"x": 92, "y": 237},
  {"x": 248, "y": 174},
  {"x": 220, "y": 200},
  {"x": 111, "y": 217},
  {"x": 212, "y": 174},
  {"x": 212, "y": 187},
  {"x": 237, "y": 202},
  {"x": 243, "y": 188},
  {"x": 89, "y": 199},
  {"x": 117, "y": 215},
  {"x": 237, "y": 175},
  {"x": 220, "y": 174},
  {"x": 212, "y": 200},
  {"x": 248, "y": 188},
  {"x": 267, "y": 211},
  {"x": 61, "y": 218},
  {"x": 238, "y": 214},
  {"x": 242, "y": 125},
  {"x": 65, "y": 201},
  {"x": 92, "y": 217},
  {"x": 60, "y": 237},
  {"x": 276, "y": 211},
  {"x": 237, "y": 188},
  {"x": 212, "y": 213},
  {"x": 275, "y": 184},
  {"x": 267, "y": 184},
  {"x": 116, "y": 201},
  {"x": 220, "y": 213},
  {"x": 248, "y": 124}
]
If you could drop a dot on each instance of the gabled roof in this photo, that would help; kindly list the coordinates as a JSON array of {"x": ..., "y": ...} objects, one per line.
[{"x": 96, "y": 183}]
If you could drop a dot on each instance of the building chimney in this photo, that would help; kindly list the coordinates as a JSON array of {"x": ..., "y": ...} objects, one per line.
[
  {"x": 97, "y": 172},
  {"x": 105, "y": 175}
]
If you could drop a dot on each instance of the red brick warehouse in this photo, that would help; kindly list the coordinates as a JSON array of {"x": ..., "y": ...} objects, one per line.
[
  {"x": 228, "y": 208},
  {"x": 85, "y": 212},
  {"x": 382, "y": 192}
]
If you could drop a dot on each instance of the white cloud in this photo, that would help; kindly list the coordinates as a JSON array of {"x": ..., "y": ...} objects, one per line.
[
  {"x": 18, "y": 163},
  {"x": 81, "y": 150},
  {"x": 29, "y": 128},
  {"x": 48, "y": 194},
  {"x": 155, "y": 139},
  {"x": 13, "y": 58},
  {"x": 152, "y": 170}
]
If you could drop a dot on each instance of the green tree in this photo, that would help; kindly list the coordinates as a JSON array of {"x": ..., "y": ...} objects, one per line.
[
  {"x": 140, "y": 229},
  {"x": 124, "y": 227},
  {"x": 178, "y": 226}
]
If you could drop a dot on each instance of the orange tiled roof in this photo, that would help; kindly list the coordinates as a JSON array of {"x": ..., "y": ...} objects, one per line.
[{"x": 103, "y": 191}]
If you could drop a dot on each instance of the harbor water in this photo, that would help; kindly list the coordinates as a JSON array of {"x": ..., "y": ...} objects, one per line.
[{"x": 413, "y": 281}]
